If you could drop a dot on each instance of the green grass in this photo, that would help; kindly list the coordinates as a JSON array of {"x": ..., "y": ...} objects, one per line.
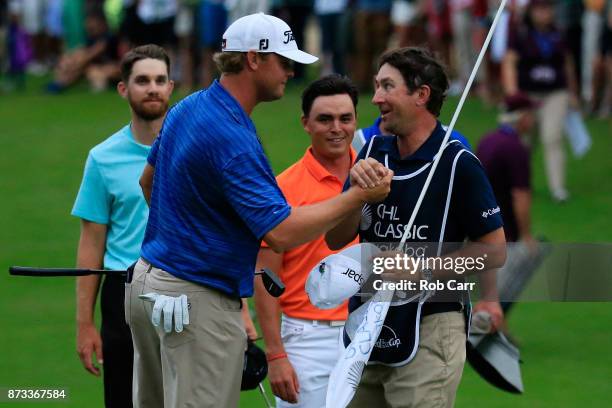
[{"x": 44, "y": 142}]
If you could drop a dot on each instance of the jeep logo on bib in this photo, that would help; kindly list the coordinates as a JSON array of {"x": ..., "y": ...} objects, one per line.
[{"x": 288, "y": 37}]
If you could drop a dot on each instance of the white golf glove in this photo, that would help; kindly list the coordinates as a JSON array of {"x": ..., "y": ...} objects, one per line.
[{"x": 171, "y": 306}]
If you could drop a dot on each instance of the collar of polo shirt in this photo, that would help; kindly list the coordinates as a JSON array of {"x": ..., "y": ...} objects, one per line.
[{"x": 426, "y": 152}]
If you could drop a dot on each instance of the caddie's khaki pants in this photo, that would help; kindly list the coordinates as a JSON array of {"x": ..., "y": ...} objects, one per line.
[
  {"x": 199, "y": 367},
  {"x": 428, "y": 381}
]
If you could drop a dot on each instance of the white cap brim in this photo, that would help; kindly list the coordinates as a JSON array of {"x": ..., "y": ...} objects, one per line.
[{"x": 298, "y": 56}]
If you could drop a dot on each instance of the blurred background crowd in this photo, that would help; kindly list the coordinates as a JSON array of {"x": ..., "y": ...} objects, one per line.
[{"x": 74, "y": 39}]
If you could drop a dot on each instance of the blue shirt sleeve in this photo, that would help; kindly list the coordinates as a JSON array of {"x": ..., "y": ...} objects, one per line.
[
  {"x": 476, "y": 205},
  {"x": 251, "y": 189},
  {"x": 93, "y": 202},
  {"x": 458, "y": 136}
]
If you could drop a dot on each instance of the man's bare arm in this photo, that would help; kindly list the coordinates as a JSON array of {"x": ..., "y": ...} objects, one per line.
[
  {"x": 281, "y": 374},
  {"x": 90, "y": 255},
  {"x": 489, "y": 296},
  {"x": 146, "y": 182},
  {"x": 509, "y": 72},
  {"x": 266, "y": 306},
  {"x": 345, "y": 232},
  {"x": 521, "y": 204}
]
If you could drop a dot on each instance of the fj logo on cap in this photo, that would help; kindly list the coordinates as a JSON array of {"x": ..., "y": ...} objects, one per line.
[
  {"x": 288, "y": 37},
  {"x": 263, "y": 44},
  {"x": 223, "y": 44}
]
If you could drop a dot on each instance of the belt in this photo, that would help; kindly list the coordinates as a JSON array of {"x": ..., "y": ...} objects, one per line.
[
  {"x": 440, "y": 307},
  {"x": 130, "y": 270},
  {"x": 330, "y": 323},
  {"x": 150, "y": 265}
]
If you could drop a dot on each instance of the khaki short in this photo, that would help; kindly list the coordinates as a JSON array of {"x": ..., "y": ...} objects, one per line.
[
  {"x": 199, "y": 367},
  {"x": 428, "y": 381}
]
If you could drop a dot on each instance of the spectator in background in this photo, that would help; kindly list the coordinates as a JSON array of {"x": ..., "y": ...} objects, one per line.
[
  {"x": 439, "y": 35},
  {"x": 54, "y": 31},
  {"x": 602, "y": 77},
  {"x": 569, "y": 20},
  {"x": 464, "y": 54},
  {"x": 295, "y": 13},
  {"x": 73, "y": 20},
  {"x": 605, "y": 108},
  {"x": 371, "y": 31},
  {"x": 482, "y": 17},
  {"x": 32, "y": 21},
  {"x": 18, "y": 47},
  {"x": 183, "y": 30},
  {"x": 408, "y": 24},
  {"x": 537, "y": 62},
  {"x": 241, "y": 8},
  {"x": 212, "y": 22},
  {"x": 505, "y": 156},
  {"x": 3, "y": 33},
  {"x": 329, "y": 14},
  {"x": 592, "y": 28},
  {"x": 98, "y": 60},
  {"x": 150, "y": 22}
]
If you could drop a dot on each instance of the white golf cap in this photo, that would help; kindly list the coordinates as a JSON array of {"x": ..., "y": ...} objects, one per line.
[
  {"x": 339, "y": 276},
  {"x": 263, "y": 33}
]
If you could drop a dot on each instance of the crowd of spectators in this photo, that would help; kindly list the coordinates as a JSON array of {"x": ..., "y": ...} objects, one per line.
[{"x": 85, "y": 38}]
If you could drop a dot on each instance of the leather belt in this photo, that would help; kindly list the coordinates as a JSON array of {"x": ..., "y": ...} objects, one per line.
[{"x": 430, "y": 308}]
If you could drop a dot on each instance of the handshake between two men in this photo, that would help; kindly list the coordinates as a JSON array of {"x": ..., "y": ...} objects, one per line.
[
  {"x": 369, "y": 177},
  {"x": 370, "y": 174}
]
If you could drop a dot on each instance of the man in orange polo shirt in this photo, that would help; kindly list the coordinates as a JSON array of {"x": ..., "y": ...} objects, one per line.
[{"x": 303, "y": 346}]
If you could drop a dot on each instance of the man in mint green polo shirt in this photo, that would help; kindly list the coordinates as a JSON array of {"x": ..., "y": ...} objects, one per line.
[{"x": 113, "y": 216}]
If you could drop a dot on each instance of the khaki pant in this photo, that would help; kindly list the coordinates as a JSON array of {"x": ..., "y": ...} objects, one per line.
[
  {"x": 199, "y": 367},
  {"x": 551, "y": 117},
  {"x": 428, "y": 381}
]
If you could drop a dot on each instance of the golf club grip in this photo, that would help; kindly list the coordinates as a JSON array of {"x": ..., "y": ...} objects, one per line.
[{"x": 49, "y": 272}]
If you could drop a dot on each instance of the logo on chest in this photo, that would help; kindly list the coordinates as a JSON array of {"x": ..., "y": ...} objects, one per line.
[{"x": 388, "y": 224}]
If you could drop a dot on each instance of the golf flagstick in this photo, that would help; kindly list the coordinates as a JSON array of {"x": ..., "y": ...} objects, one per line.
[{"x": 346, "y": 375}]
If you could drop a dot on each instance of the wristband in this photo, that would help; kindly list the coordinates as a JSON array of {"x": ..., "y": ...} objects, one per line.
[{"x": 272, "y": 357}]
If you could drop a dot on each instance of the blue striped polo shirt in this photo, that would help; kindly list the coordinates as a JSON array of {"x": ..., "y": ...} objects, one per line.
[{"x": 214, "y": 194}]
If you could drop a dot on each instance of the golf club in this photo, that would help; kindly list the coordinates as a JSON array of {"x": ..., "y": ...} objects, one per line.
[{"x": 271, "y": 281}]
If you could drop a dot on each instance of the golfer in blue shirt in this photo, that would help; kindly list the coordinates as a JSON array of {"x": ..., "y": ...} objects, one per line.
[{"x": 213, "y": 198}]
